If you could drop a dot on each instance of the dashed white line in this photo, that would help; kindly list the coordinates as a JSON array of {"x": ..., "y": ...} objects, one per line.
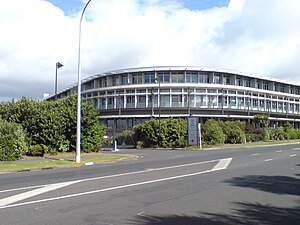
[
  {"x": 296, "y": 149},
  {"x": 293, "y": 155},
  {"x": 255, "y": 154},
  {"x": 267, "y": 160},
  {"x": 279, "y": 151}
]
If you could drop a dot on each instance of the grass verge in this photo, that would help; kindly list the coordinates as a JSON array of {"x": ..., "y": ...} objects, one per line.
[{"x": 56, "y": 162}]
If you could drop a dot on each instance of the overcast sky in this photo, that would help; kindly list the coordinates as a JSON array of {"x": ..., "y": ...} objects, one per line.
[{"x": 259, "y": 37}]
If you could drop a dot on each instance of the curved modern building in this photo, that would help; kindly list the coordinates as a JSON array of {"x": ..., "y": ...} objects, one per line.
[{"x": 127, "y": 97}]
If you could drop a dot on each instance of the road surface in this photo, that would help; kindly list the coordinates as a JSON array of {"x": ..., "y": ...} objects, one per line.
[{"x": 231, "y": 186}]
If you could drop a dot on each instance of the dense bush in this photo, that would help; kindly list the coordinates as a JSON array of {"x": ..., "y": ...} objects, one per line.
[
  {"x": 234, "y": 132},
  {"x": 254, "y": 134},
  {"x": 294, "y": 134},
  {"x": 126, "y": 137},
  {"x": 277, "y": 134},
  {"x": 12, "y": 141},
  {"x": 212, "y": 133},
  {"x": 37, "y": 150},
  {"x": 173, "y": 133},
  {"x": 53, "y": 123}
]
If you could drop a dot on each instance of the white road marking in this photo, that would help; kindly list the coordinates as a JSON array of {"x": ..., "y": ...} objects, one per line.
[
  {"x": 267, "y": 160},
  {"x": 28, "y": 194},
  {"x": 279, "y": 151},
  {"x": 118, "y": 175},
  {"x": 22, "y": 188},
  {"x": 296, "y": 149},
  {"x": 293, "y": 155},
  {"x": 154, "y": 220},
  {"x": 254, "y": 154},
  {"x": 7, "y": 202},
  {"x": 222, "y": 164}
]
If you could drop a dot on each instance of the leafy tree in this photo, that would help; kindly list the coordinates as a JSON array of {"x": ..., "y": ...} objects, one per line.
[
  {"x": 53, "y": 123},
  {"x": 262, "y": 120},
  {"x": 12, "y": 141},
  {"x": 234, "y": 131},
  {"x": 287, "y": 127},
  {"x": 212, "y": 132},
  {"x": 173, "y": 133}
]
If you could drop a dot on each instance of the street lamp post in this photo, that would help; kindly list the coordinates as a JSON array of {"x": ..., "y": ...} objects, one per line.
[
  {"x": 78, "y": 130},
  {"x": 57, "y": 66},
  {"x": 157, "y": 78}
]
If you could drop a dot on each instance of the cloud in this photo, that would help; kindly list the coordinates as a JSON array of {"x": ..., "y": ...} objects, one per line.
[{"x": 253, "y": 36}]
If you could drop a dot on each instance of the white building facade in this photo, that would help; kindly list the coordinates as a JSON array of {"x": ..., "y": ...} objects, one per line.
[{"x": 128, "y": 97}]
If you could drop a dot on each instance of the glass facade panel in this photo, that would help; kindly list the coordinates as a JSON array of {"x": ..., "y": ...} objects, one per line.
[
  {"x": 130, "y": 101},
  {"x": 191, "y": 78},
  {"x": 217, "y": 79},
  {"x": 149, "y": 78},
  {"x": 176, "y": 100},
  {"x": 137, "y": 79},
  {"x": 212, "y": 101},
  {"x": 124, "y": 80},
  {"x": 177, "y": 78},
  {"x": 141, "y": 101},
  {"x": 203, "y": 78},
  {"x": 201, "y": 100},
  {"x": 165, "y": 101}
]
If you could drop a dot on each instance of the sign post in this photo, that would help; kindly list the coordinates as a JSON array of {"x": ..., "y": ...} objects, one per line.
[
  {"x": 200, "y": 136},
  {"x": 192, "y": 131}
]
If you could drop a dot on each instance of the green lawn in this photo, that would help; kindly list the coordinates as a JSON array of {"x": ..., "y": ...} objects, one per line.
[{"x": 56, "y": 162}]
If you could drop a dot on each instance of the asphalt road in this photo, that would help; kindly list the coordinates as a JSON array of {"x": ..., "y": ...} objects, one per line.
[{"x": 231, "y": 186}]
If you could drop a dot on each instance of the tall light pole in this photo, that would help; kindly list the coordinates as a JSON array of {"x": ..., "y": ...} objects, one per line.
[
  {"x": 57, "y": 66},
  {"x": 157, "y": 79},
  {"x": 78, "y": 130}
]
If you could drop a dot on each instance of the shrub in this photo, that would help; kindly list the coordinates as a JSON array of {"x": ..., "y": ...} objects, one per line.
[
  {"x": 277, "y": 134},
  {"x": 126, "y": 137},
  {"x": 212, "y": 133},
  {"x": 37, "y": 150},
  {"x": 173, "y": 133},
  {"x": 12, "y": 141},
  {"x": 294, "y": 134},
  {"x": 254, "y": 134},
  {"x": 234, "y": 132}
]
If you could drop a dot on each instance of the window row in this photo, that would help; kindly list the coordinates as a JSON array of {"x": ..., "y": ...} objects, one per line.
[
  {"x": 252, "y": 103},
  {"x": 189, "y": 77}
]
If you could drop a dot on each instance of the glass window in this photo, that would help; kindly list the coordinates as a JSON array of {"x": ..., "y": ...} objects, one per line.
[
  {"x": 124, "y": 80},
  {"x": 247, "y": 83},
  {"x": 217, "y": 79},
  {"x": 203, "y": 78},
  {"x": 130, "y": 101},
  {"x": 200, "y": 100},
  {"x": 265, "y": 86},
  {"x": 176, "y": 100},
  {"x": 137, "y": 79},
  {"x": 110, "y": 124},
  {"x": 141, "y": 101},
  {"x": 238, "y": 82},
  {"x": 164, "y": 77},
  {"x": 191, "y": 78},
  {"x": 177, "y": 78},
  {"x": 114, "y": 81},
  {"x": 226, "y": 80},
  {"x": 149, "y": 78},
  {"x": 165, "y": 100},
  {"x": 110, "y": 103}
]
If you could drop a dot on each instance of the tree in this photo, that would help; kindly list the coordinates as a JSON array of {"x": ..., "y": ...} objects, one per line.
[
  {"x": 212, "y": 133},
  {"x": 173, "y": 133},
  {"x": 262, "y": 120},
  {"x": 12, "y": 141},
  {"x": 53, "y": 123}
]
